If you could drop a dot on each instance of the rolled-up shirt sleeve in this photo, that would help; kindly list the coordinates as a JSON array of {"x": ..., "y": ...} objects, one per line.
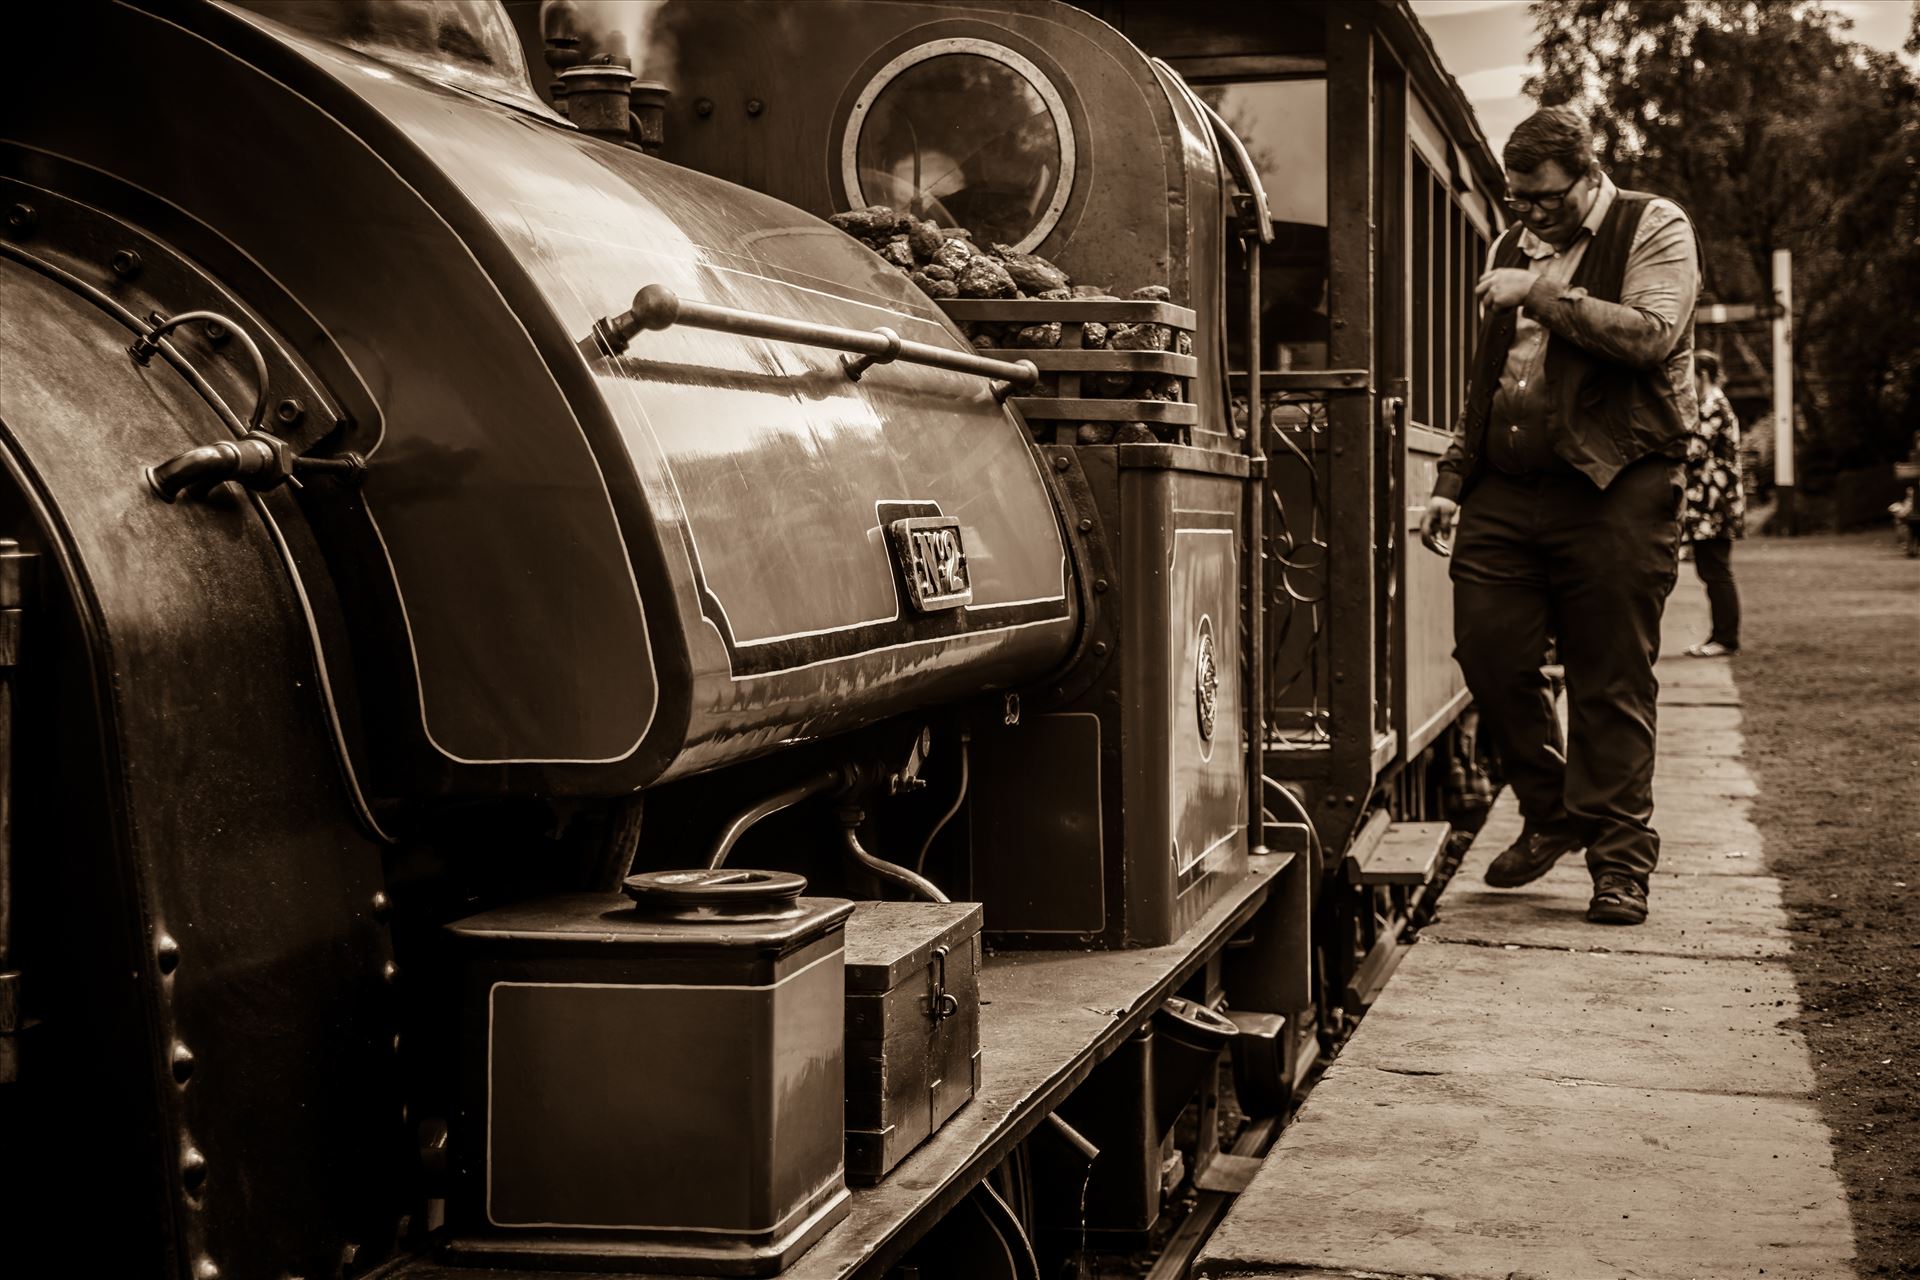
[{"x": 1657, "y": 296}]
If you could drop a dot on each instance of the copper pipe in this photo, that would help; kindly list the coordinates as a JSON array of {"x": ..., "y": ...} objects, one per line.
[
  {"x": 253, "y": 460},
  {"x": 149, "y": 342},
  {"x": 828, "y": 781},
  {"x": 850, "y": 819},
  {"x": 960, "y": 798}
]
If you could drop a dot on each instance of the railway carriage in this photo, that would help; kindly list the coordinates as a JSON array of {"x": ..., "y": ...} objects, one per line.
[{"x": 559, "y": 712}]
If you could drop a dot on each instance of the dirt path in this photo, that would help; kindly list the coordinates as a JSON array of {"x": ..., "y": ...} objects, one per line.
[{"x": 1830, "y": 678}]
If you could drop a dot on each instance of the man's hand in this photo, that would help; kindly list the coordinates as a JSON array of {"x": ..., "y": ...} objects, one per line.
[
  {"x": 1436, "y": 526},
  {"x": 1504, "y": 288}
]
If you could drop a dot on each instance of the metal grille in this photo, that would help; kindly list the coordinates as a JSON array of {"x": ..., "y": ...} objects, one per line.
[{"x": 1297, "y": 570}]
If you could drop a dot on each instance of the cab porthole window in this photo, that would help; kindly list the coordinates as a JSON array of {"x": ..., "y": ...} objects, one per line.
[{"x": 966, "y": 133}]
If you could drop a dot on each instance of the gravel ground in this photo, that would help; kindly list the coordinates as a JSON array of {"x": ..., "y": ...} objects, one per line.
[{"x": 1829, "y": 674}]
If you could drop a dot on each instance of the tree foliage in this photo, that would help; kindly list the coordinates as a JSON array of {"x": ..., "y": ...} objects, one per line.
[{"x": 1775, "y": 131}]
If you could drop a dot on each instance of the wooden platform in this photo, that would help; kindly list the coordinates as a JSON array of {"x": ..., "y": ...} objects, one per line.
[
  {"x": 1046, "y": 1019},
  {"x": 1533, "y": 1096}
]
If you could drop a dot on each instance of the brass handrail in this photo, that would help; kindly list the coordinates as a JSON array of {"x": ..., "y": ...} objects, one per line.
[{"x": 657, "y": 307}]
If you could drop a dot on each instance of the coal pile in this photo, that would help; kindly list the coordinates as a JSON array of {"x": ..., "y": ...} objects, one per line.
[{"x": 946, "y": 263}]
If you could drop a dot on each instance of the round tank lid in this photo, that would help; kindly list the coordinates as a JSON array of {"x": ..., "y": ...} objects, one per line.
[
  {"x": 716, "y": 893},
  {"x": 1194, "y": 1023}
]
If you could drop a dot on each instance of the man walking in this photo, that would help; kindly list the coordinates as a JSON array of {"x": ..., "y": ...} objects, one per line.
[{"x": 1565, "y": 477}]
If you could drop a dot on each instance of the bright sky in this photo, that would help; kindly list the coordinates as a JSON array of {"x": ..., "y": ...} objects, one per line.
[{"x": 1484, "y": 44}]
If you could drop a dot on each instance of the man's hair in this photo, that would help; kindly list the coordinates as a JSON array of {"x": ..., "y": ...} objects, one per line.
[
  {"x": 1708, "y": 363},
  {"x": 1559, "y": 134}
]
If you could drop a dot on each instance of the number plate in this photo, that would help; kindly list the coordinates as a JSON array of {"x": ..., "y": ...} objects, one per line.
[{"x": 931, "y": 561}]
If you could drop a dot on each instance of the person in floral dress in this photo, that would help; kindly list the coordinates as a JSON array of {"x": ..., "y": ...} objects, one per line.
[{"x": 1716, "y": 508}]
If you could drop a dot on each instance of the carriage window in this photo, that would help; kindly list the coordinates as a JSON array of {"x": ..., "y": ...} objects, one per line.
[
  {"x": 966, "y": 133},
  {"x": 1449, "y": 252},
  {"x": 1284, "y": 126}
]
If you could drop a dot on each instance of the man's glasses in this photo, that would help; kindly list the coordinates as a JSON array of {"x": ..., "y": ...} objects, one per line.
[{"x": 1549, "y": 203}]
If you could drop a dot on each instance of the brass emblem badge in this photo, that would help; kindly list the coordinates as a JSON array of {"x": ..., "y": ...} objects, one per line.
[
  {"x": 932, "y": 562},
  {"x": 1206, "y": 679}
]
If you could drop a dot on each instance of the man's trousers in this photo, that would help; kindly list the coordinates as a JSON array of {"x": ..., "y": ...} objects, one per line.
[{"x": 1552, "y": 556}]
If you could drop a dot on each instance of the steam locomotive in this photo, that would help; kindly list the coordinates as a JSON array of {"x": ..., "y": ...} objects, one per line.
[{"x": 556, "y": 710}]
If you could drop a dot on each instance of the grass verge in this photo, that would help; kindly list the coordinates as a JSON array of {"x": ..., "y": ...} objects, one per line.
[{"x": 1829, "y": 676}]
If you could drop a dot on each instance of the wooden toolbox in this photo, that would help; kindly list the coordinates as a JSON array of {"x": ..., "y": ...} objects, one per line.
[
  {"x": 913, "y": 1026},
  {"x": 1078, "y": 372}
]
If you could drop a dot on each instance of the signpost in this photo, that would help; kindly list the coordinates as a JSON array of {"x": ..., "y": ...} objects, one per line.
[
  {"x": 1783, "y": 389},
  {"x": 1780, "y": 313}
]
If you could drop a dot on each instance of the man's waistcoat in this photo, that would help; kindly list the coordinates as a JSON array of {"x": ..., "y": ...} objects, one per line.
[{"x": 1605, "y": 415}]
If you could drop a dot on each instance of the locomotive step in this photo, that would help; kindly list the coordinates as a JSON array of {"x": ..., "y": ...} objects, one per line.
[
  {"x": 1406, "y": 854},
  {"x": 1360, "y": 853}
]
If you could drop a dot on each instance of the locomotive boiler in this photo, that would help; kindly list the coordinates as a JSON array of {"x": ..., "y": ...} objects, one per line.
[{"x": 558, "y": 712}]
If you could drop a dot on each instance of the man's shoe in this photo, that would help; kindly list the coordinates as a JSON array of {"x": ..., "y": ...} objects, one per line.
[
  {"x": 1617, "y": 899},
  {"x": 1529, "y": 858}
]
